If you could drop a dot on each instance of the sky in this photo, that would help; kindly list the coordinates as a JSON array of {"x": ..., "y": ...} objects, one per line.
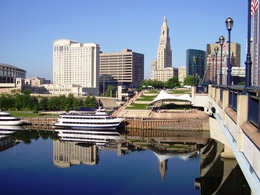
[{"x": 29, "y": 28}]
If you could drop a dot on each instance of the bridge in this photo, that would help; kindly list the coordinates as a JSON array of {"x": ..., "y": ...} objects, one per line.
[{"x": 234, "y": 121}]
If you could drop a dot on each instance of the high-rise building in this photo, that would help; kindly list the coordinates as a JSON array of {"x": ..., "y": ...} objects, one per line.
[
  {"x": 125, "y": 67},
  {"x": 214, "y": 61},
  {"x": 75, "y": 64},
  {"x": 162, "y": 69},
  {"x": 195, "y": 62}
]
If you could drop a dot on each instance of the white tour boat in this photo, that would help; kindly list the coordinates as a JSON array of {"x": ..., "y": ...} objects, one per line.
[
  {"x": 86, "y": 118},
  {"x": 97, "y": 136},
  {"x": 8, "y": 119}
]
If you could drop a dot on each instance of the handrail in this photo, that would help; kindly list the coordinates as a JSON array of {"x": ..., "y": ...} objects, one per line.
[
  {"x": 234, "y": 91},
  {"x": 253, "y": 105}
]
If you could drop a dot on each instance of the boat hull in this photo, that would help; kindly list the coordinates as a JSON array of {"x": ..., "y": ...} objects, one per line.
[
  {"x": 98, "y": 119},
  {"x": 11, "y": 123},
  {"x": 86, "y": 127},
  {"x": 6, "y": 119}
]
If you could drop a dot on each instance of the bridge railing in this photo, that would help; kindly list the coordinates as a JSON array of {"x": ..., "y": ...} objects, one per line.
[
  {"x": 233, "y": 92},
  {"x": 253, "y": 106},
  {"x": 253, "y": 100},
  {"x": 201, "y": 88}
]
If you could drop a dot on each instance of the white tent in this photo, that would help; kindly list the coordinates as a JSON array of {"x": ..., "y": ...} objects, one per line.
[{"x": 165, "y": 96}]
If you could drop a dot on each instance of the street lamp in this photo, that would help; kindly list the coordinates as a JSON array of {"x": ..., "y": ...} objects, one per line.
[
  {"x": 229, "y": 25},
  {"x": 212, "y": 57},
  {"x": 248, "y": 62},
  {"x": 221, "y": 42},
  {"x": 216, "y": 65},
  {"x": 194, "y": 64}
]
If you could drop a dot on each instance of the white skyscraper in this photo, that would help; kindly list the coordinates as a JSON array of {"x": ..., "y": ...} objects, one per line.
[
  {"x": 164, "y": 52},
  {"x": 162, "y": 69},
  {"x": 75, "y": 63}
]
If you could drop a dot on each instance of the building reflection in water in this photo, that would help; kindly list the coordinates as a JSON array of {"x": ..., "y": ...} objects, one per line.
[
  {"x": 67, "y": 153},
  {"x": 80, "y": 146},
  {"x": 217, "y": 175}
]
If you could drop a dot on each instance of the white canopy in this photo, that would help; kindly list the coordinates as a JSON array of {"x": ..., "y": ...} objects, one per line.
[{"x": 165, "y": 96}]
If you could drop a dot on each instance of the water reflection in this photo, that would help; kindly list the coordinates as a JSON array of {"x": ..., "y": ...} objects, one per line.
[
  {"x": 6, "y": 140},
  {"x": 78, "y": 146},
  {"x": 96, "y": 136},
  {"x": 217, "y": 175}
]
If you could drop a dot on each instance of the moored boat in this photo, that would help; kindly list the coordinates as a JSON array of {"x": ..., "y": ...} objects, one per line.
[
  {"x": 9, "y": 120},
  {"x": 86, "y": 118}
]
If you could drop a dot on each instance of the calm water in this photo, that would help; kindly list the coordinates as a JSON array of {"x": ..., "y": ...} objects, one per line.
[{"x": 40, "y": 163}]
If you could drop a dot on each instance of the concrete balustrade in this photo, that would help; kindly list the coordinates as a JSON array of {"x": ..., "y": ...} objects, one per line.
[{"x": 243, "y": 138}]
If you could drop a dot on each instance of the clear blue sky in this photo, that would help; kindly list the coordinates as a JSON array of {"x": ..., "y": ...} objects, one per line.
[{"x": 29, "y": 28}]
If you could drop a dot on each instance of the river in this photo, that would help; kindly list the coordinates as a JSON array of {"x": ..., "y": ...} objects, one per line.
[{"x": 145, "y": 162}]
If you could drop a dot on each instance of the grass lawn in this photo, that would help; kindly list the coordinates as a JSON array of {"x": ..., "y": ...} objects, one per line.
[
  {"x": 152, "y": 91},
  {"x": 179, "y": 91},
  {"x": 146, "y": 98},
  {"x": 20, "y": 114},
  {"x": 134, "y": 106}
]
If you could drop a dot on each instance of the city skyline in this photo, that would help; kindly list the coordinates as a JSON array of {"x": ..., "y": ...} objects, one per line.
[{"x": 29, "y": 28}]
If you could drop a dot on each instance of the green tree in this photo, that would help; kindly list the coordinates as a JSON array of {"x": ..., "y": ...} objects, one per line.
[
  {"x": 90, "y": 102},
  {"x": 87, "y": 101},
  {"x": 109, "y": 90},
  {"x": 43, "y": 104},
  {"x": 173, "y": 82},
  {"x": 94, "y": 102},
  {"x": 53, "y": 103},
  {"x": 69, "y": 102},
  {"x": 25, "y": 98},
  {"x": 153, "y": 83},
  {"x": 189, "y": 80},
  {"x": 78, "y": 102},
  {"x": 3, "y": 102},
  {"x": 18, "y": 101},
  {"x": 32, "y": 102},
  {"x": 61, "y": 102}
]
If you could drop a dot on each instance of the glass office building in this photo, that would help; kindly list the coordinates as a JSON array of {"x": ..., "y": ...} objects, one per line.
[{"x": 195, "y": 62}]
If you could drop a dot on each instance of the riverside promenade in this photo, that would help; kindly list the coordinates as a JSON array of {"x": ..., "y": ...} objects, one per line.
[
  {"x": 192, "y": 119},
  {"x": 167, "y": 119}
]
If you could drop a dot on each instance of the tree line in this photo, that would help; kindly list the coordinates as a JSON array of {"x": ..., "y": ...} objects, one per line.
[
  {"x": 26, "y": 102},
  {"x": 171, "y": 83}
]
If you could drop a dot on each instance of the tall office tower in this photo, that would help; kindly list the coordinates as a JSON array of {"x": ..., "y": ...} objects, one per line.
[
  {"x": 195, "y": 62},
  {"x": 214, "y": 62},
  {"x": 255, "y": 46},
  {"x": 126, "y": 67},
  {"x": 162, "y": 69},
  {"x": 75, "y": 63}
]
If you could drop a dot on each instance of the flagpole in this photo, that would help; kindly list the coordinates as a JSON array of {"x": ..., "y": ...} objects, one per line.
[{"x": 248, "y": 62}]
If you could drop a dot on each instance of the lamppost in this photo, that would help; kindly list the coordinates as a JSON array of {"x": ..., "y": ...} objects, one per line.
[
  {"x": 229, "y": 25},
  {"x": 216, "y": 64},
  {"x": 194, "y": 69},
  {"x": 221, "y": 42},
  {"x": 248, "y": 62},
  {"x": 212, "y": 57}
]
